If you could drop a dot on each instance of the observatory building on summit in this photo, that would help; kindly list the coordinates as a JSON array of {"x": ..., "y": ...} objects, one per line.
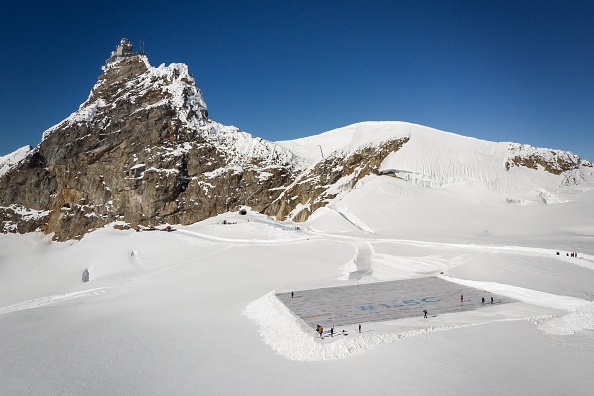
[{"x": 123, "y": 50}]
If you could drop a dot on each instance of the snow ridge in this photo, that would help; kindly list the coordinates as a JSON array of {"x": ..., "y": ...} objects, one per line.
[
  {"x": 9, "y": 160},
  {"x": 244, "y": 147},
  {"x": 436, "y": 159}
]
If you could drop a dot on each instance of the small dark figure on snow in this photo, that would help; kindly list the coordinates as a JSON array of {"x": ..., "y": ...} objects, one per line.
[
  {"x": 425, "y": 312},
  {"x": 491, "y": 299},
  {"x": 483, "y": 301},
  {"x": 332, "y": 331},
  {"x": 291, "y": 294},
  {"x": 359, "y": 328},
  {"x": 321, "y": 332},
  {"x": 461, "y": 298}
]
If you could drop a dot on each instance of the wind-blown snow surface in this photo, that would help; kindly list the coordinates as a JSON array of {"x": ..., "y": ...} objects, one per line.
[{"x": 194, "y": 312}]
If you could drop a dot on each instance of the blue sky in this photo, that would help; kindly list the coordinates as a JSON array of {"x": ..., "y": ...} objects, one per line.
[{"x": 519, "y": 71}]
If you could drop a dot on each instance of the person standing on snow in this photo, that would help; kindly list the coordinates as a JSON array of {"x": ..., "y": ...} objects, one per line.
[
  {"x": 483, "y": 301},
  {"x": 425, "y": 312},
  {"x": 461, "y": 298}
]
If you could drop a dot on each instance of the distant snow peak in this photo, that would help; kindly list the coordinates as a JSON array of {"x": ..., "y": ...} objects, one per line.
[{"x": 8, "y": 161}]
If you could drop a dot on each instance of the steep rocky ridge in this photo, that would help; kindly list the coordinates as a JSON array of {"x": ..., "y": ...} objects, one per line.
[{"x": 140, "y": 150}]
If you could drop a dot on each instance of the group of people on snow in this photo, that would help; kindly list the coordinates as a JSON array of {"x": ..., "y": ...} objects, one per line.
[
  {"x": 572, "y": 254},
  {"x": 320, "y": 330}
]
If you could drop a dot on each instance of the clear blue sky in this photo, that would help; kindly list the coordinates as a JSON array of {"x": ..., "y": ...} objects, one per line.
[{"x": 519, "y": 71}]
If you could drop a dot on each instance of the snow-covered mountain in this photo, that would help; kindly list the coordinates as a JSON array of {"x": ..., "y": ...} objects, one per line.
[
  {"x": 437, "y": 161},
  {"x": 141, "y": 150},
  {"x": 201, "y": 310}
]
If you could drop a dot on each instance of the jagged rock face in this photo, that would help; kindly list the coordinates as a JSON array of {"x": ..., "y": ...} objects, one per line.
[
  {"x": 338, "y": 172},
  {"x": 140, "y": 150}
]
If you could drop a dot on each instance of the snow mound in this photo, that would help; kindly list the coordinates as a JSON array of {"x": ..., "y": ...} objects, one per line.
[{"x": 574, "y": 322}]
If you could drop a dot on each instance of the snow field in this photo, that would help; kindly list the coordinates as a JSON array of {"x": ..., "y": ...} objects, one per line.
[
  {"x": 164, "y": 311},
  {"x": 194, "y": 311}
]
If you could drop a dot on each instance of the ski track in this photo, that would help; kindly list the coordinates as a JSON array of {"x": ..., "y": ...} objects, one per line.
[
  {"x": 352, "y": 219},
  {"x": 49, "y": 300},
  {"x": 586, "y": 261}
]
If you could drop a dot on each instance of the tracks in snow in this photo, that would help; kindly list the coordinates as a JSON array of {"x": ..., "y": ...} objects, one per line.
[{"x": 49, "y": 300}]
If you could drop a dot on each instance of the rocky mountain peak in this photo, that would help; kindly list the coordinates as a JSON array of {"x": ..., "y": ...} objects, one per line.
[
  {"x": 130, "y": 86},
  {"x": 142, "y": 151}
]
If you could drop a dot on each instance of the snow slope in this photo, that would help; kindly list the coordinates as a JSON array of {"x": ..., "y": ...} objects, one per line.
[
  {"x": 194, "y": 312},
  {"x": 433, "y": 158},
  {"x": 7, "y": 161}
]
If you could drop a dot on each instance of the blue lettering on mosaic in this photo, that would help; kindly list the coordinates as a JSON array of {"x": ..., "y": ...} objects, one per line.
[
  {"x": 412, "y": 301},
  {"x": 429, "y": 299}
]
